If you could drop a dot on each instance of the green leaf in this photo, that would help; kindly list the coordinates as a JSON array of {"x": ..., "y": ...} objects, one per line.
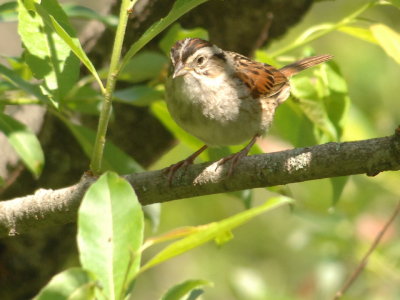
[
  {"x": 337, "y": 100},
  {"x": 8, "y": 12},
  {"x": 324, "y": 100},
  {"x": 114, "y": 159},
  {"x": 85, "y": 99},
  {"x": 291, "y": 124},
  {"x": 179, "y": 8},
  {"x": 313, "y": 106},
  {"x": 212, "y": 231},
  {"x": 360, "y": 33},
  {"x": 110, "y": 233},
  {"x": 176, "y": 33},
  {"x": 146, "y": 65},
  {"x": 20, "y": 83},
  {"x": 71, "y": 41},
  {"x": 48, "y": 56},
  {"x": 388, "y": 39},
  {"x": 139, "y": 95},
  {"x": 19, "y": 66},
  {"x": 338, "y": 184},
  {"x": 78, "y": 11},
  {"x": 25, "y": 143},
  {"x": 180, "y": 291},
  {"x": 74, "y": 283}
]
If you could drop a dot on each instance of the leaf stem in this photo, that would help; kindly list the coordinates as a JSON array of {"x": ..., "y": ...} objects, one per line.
[
  {"x": 325, "y": 29},
  {"x": 97, "y": 156}
]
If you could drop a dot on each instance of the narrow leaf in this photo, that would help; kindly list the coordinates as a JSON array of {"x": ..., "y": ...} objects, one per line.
[
  {"x": 212, "y": 231},
  {"x": 46, "y": 53},
  {"x": 180, "y": 291},
  {"x": 78, "y": 11},
  {"x": 388, "y": 39},
  {"x": 20, "y": 83},
  {"x": 179, "y": 8},
  {"x": 110, "y": 233},
  {"x": 24, "y": 142},
  {"x": 76, "y": 47},
  {"x": 360, "y": 33},
  {"x": 8, "y": 12},
  {"x": 74, "y": 283}
]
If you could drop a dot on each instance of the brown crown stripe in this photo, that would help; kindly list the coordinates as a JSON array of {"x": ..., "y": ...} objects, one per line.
[{"x": 193, "y": 46}]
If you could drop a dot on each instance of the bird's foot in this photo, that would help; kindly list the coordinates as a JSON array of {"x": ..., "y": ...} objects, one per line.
[
  {"x": 236, "y": 157},
  {"x": 171, "y": 170}
]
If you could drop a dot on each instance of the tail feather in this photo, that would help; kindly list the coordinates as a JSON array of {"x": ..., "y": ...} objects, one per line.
[{"x": 303, "y": 64}]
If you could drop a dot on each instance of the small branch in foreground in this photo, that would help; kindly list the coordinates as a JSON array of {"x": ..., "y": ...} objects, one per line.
[
  {"x": 364, "y": 261},
  {"x": 48, "y": 207}
]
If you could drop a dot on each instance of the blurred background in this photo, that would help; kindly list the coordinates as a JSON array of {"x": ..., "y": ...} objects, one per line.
[{"x": 308, "y": 250}]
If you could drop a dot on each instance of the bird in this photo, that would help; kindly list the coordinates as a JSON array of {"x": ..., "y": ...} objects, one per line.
[{"x": 224, "y": 98}]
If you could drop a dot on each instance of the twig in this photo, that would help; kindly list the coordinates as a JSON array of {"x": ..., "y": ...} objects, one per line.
[
  {"x": 364, "y": 261},
  {"x": 56, "y": 207}
]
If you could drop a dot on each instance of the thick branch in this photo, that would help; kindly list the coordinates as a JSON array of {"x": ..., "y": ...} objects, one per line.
[{"x": 48, "y": 207}]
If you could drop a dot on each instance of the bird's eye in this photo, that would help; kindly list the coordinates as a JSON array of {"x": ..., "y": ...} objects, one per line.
[{"x": 200, "y": 60}]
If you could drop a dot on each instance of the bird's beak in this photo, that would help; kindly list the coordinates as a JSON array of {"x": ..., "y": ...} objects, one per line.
[{"x": 180, "y": 70}]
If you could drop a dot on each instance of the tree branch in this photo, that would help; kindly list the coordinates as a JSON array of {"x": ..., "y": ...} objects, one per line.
[{"x": 50, "y": 207}]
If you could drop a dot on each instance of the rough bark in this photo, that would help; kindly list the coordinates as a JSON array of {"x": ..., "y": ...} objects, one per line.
[{"x": 51, "y": 207}]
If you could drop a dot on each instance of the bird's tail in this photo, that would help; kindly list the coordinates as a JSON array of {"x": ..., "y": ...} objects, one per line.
[{"x": 303, "y": 64}]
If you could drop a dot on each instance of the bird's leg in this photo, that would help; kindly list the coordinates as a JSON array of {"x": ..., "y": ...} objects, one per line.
[
  {"x": 171, "y": 170},
  {"x": 237, "y": 156}
]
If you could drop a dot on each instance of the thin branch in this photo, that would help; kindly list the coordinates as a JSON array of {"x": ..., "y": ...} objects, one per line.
[
  {"x": 48, "y": 207},
  {"x": 364, "y": 261}
]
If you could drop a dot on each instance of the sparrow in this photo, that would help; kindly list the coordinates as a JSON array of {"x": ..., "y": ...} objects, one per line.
[{"x": 224, "y": 98}]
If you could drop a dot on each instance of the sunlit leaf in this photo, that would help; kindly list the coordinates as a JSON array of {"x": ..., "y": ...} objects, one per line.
[
  {"x": 8, "y": 11},
  {"x": 360, "y": 33},
  {"x": 74, "y": 283},
  {"x": 71, "y": 41},
  {"x": 47, "y": 55},
  {"x": 110, "y": 233},
  {"x": 172, "y": 235},
  {"x": 212, "y": 231},
  {"x": 19, "y": 66},
  {"x": 20, "y": 83},
  {"x": 388, "y": 39},
  {"x": 24, "y": 142},
  {"x": 179, "y": 8},
  {"x": 313, "y": 106},
  {"x": 181, "y": 291}
]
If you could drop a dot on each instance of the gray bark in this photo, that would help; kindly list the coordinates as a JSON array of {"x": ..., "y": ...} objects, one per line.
[{"x": 54, "y": 207}]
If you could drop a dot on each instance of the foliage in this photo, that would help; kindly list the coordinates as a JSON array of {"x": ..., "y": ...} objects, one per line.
[{"x": 110, "y": 222}]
